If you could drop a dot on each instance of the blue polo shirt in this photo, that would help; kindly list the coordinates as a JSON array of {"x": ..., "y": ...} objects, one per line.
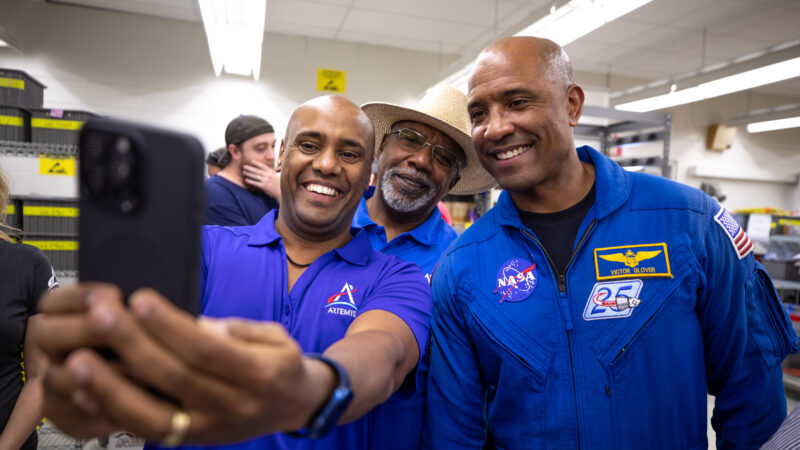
[
  {"x": 422, "y": 245},
  {"x": 244, "y": 274},
  {"x": 397, "y": 424}
]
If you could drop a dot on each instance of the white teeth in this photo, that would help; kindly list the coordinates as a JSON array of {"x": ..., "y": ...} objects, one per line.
[
  {"x": 512, "y": 153},
  {"x": 324, "y": 190}
]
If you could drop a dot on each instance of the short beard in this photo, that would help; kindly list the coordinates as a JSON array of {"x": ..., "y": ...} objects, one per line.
[{"x": 399, "y": 201}]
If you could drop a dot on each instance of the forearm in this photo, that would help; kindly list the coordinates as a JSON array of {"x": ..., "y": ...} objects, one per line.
[
  {"x": 373, "y": 359},
  {"x": 27, "y": 413}
]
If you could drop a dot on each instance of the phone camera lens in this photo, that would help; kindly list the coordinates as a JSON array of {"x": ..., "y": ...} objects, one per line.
[
  {"x": 122, "y": 146},
  {"x": 121, "y": 161}
]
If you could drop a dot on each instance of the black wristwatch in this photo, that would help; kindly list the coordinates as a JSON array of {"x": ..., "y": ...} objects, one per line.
[{"x": 323, "y": 421}]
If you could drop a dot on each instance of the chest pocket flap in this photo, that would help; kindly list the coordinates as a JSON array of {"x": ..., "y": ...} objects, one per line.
[
  {"x": 507, "y": 334},
  {"x": 621, "y": 334}
]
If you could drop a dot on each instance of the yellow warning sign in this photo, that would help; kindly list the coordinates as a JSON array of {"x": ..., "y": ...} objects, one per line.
[
  {"x": 53, "y": 245},
  {"x": 331, "y": 80},
  {"x": 54, "y": 165}
]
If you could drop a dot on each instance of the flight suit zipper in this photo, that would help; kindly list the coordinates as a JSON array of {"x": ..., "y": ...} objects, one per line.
[{"x": 561, "y": 279}]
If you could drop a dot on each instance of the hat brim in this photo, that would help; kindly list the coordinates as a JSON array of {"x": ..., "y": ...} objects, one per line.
[{"x": 474, "y": 178}]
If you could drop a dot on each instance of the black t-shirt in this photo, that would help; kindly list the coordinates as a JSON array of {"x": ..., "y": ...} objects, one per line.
[
  {"x": 557, "y": 231},
  {"x": 25, "y": 273}
]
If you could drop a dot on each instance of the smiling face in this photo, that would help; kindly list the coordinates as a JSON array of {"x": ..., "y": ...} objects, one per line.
[
  {"x": 414, "y": 181},
  {"x": 523, "y": 105},
  {"x": 325, "y": 167}
]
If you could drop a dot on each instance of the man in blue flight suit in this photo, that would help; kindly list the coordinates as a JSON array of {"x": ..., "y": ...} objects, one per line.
[
  {"x": 400, "y": 215},
  {"x": 593, "y": 307},
  {"x": 319, "y": 282}
]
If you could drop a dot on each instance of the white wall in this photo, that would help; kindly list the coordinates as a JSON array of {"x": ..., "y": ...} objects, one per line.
[
  {"x": 775, "y": 154},
  {"x": 159, "y": 71}
]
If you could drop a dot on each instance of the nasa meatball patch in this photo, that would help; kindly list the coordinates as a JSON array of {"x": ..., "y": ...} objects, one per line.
[{"x": 516, "y": 280}]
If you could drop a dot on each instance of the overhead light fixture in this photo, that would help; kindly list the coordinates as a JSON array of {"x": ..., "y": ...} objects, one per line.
[
  {"x": 578, "y": 18},
  {"x": 235, "y": 31},
  {"x": 754, "y": 70},
  {"x": 769, "y": 119},
  {"x": 771, "y": 125},
  {"x": 563, "y": 25},
  {"x": 8, "y": 41}
]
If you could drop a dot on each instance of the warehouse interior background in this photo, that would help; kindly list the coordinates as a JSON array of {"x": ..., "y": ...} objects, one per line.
[{"x": 148, "y": 60}]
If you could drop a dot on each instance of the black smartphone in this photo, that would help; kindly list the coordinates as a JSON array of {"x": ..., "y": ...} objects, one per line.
[{"x": 141, "y": 209}]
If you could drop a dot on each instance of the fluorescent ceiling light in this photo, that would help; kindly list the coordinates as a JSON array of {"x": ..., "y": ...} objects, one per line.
[
  {"x": 563, "y": 25},
  {"x": 579, "y": 18},
  {"x": 235, "y": 31},
  {"x": 722, "y": 86},
  {"x": 8, "y": 41},
  {"x": 770, "y": 125}
]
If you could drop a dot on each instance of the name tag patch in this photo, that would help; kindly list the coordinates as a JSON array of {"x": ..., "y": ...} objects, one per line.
[
  {"x": 632, "y": 261},
  {"x": 613, "y": 300}
]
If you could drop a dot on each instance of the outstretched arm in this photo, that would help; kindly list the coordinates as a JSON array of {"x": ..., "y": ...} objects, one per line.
[{"x": 235, "y": 379}]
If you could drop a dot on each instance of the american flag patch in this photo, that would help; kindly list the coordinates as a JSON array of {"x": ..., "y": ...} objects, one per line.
[{"x": 741, "y": 243}]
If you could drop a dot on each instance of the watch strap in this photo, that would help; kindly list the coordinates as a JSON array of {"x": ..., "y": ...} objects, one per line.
[{"x": 327, "y": 416}]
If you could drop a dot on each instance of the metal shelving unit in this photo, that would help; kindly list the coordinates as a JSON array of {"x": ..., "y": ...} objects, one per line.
[{"x": 626, "y": 128}]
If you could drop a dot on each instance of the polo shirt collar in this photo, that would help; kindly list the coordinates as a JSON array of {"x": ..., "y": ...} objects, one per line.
[
  {"x": 427, "y": 233},
  {"x": 357, "y": 251}
]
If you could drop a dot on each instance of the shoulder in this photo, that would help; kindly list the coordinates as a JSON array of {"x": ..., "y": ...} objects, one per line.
[
  {"x": 224, "y": 239},
  {"x": 25, "y": 253},
  {"x": 482, "y": 231},
  {"x": 654, "y": 192}
]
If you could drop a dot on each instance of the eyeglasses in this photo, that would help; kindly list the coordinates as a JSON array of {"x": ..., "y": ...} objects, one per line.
[{"x": 412, "y": 141}]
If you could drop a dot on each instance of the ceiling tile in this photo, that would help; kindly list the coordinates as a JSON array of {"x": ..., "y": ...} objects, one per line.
[
  {"x": 621, "y": 31},
  {"x": 405, "y": 27},
  {"x": 307, "y": 15},
  {"x": 471, "y": 12},
  {"x": 662, "y": 12}
]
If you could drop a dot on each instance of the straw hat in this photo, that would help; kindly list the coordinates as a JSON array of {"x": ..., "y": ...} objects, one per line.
[{"x": 443, "y": 108}]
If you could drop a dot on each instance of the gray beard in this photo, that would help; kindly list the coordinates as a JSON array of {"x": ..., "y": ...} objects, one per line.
[{"x": 397, "y": 200}]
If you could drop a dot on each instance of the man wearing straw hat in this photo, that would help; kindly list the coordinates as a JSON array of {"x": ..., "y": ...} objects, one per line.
[{"x": 422, "y": 154}]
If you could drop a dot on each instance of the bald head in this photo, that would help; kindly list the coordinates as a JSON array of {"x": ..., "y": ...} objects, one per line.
[
  {"x": 550, "y": 59},
  {"x": 336, "y": 109}
]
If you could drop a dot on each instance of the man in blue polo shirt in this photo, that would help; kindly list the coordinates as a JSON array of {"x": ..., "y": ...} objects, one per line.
[
  {"x": 401, "y": 218},
  {"x": 319, "y": 282}
]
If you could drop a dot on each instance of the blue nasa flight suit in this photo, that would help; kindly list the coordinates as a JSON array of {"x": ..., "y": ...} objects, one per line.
[
  {"x": 656, "y": 308},
  {"x": 397, "y": 424},
  {"x": 244, "y": 274}
]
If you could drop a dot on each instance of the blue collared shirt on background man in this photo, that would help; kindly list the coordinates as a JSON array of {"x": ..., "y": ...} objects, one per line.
[
  {"x": 422, "y": 245},
  {"x": 229, "y": 204},
  {"x": 244, "y": 274},
  {"x": 397, "y": 424}
]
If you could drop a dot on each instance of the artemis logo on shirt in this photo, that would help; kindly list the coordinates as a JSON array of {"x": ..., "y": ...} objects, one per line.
[{"x": 342, "y": 304}]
